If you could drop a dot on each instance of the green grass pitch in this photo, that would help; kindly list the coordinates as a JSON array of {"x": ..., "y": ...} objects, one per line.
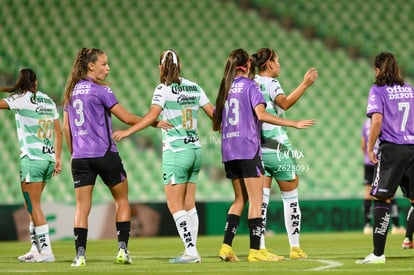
[{"x": 328, "y": 253}]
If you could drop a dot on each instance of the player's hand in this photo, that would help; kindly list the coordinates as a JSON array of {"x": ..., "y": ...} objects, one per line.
[
  {"x": 119, "y": 135},
  {"x": 303, "y": 124},
  {"x": 310, "y": 76},
  {"x": 163, "y": 125},
  {"x": 58, "y": 168},
  {"x": 373, "y": 157}
]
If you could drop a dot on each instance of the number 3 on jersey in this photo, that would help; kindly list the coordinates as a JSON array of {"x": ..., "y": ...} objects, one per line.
[
  {"x": 78, "y": 105},
  {"x": 232, "y": 106}
]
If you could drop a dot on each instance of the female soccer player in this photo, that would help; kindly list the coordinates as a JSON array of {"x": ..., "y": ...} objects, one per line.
[
  {"x": 390, "y": 106},
  {"x": 40, "y": 139},
  {"x": 240, "y": 109},
  {"x": 88, "y": 104},
  {"x": 369, "y": 169},
  {"x": 277, "y": 150},
  {"x": 179, "y": 101}
]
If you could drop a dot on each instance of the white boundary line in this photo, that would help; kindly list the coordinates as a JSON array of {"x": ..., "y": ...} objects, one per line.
[{"x": 329, "y": 265}]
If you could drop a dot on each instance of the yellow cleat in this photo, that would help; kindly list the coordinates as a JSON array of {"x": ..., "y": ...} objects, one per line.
[
  {"x": 256, "y": 255},
  {"x": 271, "y": 256},
  {"x": 226, "y": 254},
  {"x": 297, "y": 253}
]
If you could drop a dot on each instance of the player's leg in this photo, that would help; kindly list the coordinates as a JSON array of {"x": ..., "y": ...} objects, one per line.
[
  {"x": 396, "y": 229},
  {"x": 34, "y": 175},
  {"x": 83, "y": 195},
  {"x": 177, "y": 169},
  {"x": 122, "y": 220},
  {"x": 292, "y": 215},
  {"x": 84, "y": 179},
  {"x": 267, "y": 183},
  {"x": 367, "y": 202},
  {"x": 367, "y": 210},
  {"x": 254, "y": 188},
  {"x": 190, "y": 195},
  {"x": 191, "y": 209},
  {"x": 226, "y": 252},
  {"x": 408, "y": 239},
  {"x": 389, "y": 172},
  {"x": 32, "y": 194}
]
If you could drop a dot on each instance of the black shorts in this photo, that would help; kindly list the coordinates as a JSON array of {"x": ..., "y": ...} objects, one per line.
[
  {"x": 108, "y": 167},
  {"x": 395, "y": 168},
  {"x": 368, "y": 174},
  {"x": 244, "y": 168}
]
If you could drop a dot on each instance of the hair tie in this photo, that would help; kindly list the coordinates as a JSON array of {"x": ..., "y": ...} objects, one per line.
[
  {"x": 244, "y": 66},
  {"x": 175, "y": 60},
  {"x": 244, "y": 69}
]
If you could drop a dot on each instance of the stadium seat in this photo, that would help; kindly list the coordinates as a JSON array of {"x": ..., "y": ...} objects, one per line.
[{"x": 133, "y": 33}]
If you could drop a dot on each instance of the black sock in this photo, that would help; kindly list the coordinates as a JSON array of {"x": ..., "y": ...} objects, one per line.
[
  {"x": 232, "y": 223},
  {"x": 410, "y": 223},
  {"x": 381, "y": 223},
  {"x": 367, "y": 212},
  {"x": 123, "y": 230},
  {"x": 255, "y": 231},
  {"x": 80, "y": 235}
]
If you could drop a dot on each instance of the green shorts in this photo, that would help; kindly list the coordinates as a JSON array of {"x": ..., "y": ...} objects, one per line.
[
  {"x": 181, "y": 167},
  {"x": 35, "y": 170},
  {"x": 279, "y": 166}
]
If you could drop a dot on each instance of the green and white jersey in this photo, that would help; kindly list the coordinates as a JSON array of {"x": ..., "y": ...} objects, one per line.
[
  {"x": 180, "y": 106},
  {"x": 35, "y": 124},
  {"x": 274, "y": 137}
]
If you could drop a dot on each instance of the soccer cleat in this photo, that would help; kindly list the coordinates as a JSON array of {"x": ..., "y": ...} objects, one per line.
[
  {"x": 29, "y": 257},
  {"x": 372, "y": 259},
  {"x": 226, "y": 254},
  {"x": 256, "y": 255},
  {"x": 45, "y": 258},
  {"x": 367, "y": 230},
  {"x": 271, "y": 256},
  {"x": 123, "y": 257},
  {"x": 79, "y": 261},
  {"x": 407, "y": 244},
  {"x": 297, "y": 253},
  {"x": 186, "y": 259},
  {"x": 398, "y": 230}
]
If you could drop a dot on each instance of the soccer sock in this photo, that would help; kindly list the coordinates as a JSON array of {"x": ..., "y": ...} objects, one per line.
[
  {"x": 367, "y": 211},
  {"x": 255, "y": 231},
  {"x": 266, "y": 194},
  {"x": 80, "y": 236},
  {"x": 381, "y": 223},
  {"x": 193, "y": 215},
  {"x": 232, "y": 223},
  {"x": 410, "y": 223},
  {"x": 182, "y": 222},
  {"x": 292, "y": 216},
  {"x": 395, "y": 213},
  {"x": 42, "y": 235},
  {"x": 123, "y": 230},
  {"x": 34, "y": 248}
]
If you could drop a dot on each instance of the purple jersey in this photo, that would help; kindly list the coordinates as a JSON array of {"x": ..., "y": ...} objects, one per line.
[
  {"x": 90, "y": 119},
  {"x": 365, "y": 135},
  {"x": 396, "y": 104},
  {"x": 240, "y": 127}
]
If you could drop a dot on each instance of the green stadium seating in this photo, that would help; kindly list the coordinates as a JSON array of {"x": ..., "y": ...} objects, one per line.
[{"x": 133, "y": 33}]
